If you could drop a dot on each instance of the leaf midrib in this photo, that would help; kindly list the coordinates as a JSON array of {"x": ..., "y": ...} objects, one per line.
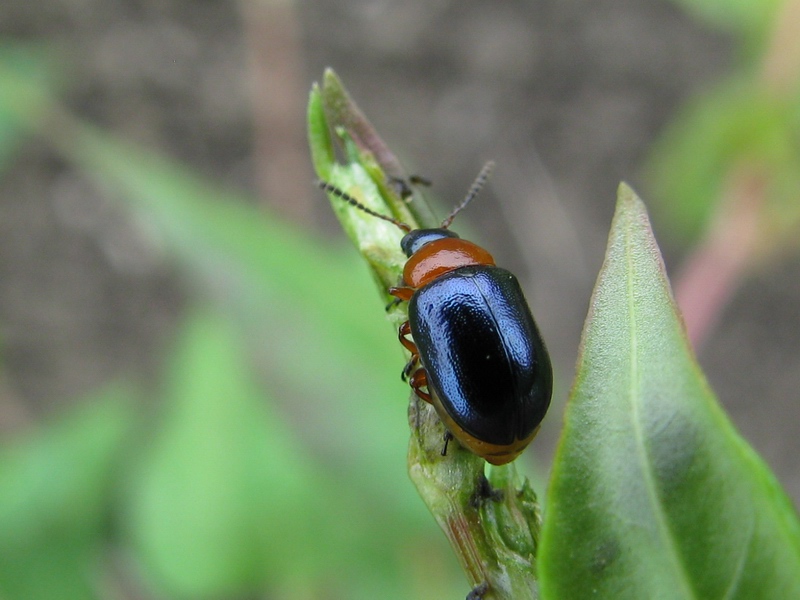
[{"x": 646, "y": 465}]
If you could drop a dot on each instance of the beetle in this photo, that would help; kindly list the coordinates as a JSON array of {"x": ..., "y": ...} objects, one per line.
[{"x": 476, "y": 353}]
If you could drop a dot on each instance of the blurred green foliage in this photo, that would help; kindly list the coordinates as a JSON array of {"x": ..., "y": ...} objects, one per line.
[
  {"x": 260, "y": 462},
  {"x": 747, "y": 122}
]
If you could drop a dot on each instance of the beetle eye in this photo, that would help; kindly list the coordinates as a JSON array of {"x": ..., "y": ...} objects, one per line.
[{"x": 414, "y": 240}]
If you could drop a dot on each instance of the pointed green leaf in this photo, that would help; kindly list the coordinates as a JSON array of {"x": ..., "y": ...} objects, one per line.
[
  {"x": 653, "y": 492},
  {"x": 342, "y": 112},
  {"x": 319, "y": 136}
]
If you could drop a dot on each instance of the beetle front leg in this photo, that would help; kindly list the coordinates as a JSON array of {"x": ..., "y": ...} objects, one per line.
[
  {"x": 402, "y": 292},
  {"x": 402, "y": 335},
  {"x": 392, "y": 304}
]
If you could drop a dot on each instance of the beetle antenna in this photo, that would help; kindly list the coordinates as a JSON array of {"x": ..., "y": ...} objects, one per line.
[
  {"x": 329, "y": 187},
  {"x": 479, "y": 182}
]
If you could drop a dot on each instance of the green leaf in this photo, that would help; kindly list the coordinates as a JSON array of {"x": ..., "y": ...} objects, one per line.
[
  {"x": 653, "y": 492},
  {"x": 320, "y": 143}
]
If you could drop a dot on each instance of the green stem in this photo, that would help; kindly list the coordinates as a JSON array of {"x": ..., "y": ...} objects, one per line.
[{"x": 493, "y": 525}]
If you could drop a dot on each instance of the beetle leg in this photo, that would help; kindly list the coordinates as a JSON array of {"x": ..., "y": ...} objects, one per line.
[
  {"x": 392, "y": 304},
  {"x": 402, "y": 292},
  {"x": 403, "y": 187},
  {"x": 420, "y": 380},
  {"x": 412, "y": 362},
  {"x": 402, "y": 335},
  {"x": 483, "y": 492},
  {"x": 447, "y": 437},
  {"x": 479, "y": 591},
  {"x": 405, "y": 330}
]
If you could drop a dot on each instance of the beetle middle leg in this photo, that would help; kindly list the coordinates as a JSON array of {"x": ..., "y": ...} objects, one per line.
[
  {"x": 417, "y": 379},
  {"x": 420, "y": 380},
  {"x": 409, "y": 368},
  {"x": 402, "y": 335}
]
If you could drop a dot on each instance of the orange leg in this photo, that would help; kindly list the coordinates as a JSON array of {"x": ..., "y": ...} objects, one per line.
[
  {"x": 412, "y": 362},
  {"x": 418, "y": 381},
  {"x": 402, "y": 292},
  {"x": 402, "y": 335}
]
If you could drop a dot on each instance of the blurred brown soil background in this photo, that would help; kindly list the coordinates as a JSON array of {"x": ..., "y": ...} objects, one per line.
[{"x": 567, "y": 97}]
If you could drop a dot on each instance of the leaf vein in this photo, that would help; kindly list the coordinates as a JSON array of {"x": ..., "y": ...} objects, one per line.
[{"x": 634, "y": 383}]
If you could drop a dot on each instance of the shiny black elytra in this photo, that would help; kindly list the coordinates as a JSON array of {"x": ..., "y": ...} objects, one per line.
[{"x": 476, "y": 353}]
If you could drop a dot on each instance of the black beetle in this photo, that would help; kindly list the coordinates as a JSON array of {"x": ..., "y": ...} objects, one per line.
[{"x": 474, "y": 344}]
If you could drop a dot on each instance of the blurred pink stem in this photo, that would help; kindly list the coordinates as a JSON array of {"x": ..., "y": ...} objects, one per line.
[
  {"x": 279, "y": 93},
  {"x": 712, "y": 273}
]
